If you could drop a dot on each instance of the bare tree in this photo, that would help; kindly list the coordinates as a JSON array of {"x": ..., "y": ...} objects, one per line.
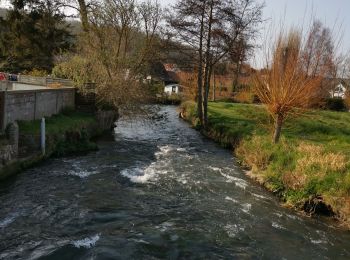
[
  {"x": 117, "y": 47},
  {"x": 188, "y": 22},
  {"x": 288, "y": 85},
  {"x": 83, "y": 7},
  {"x": 212, "y": 28}
]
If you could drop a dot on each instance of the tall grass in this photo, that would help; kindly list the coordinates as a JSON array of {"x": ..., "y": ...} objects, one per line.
[{"x": 311, "y": 163}]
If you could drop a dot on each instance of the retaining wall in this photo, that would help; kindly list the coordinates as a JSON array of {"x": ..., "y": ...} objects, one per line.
[{"x": 34, "y": 104}]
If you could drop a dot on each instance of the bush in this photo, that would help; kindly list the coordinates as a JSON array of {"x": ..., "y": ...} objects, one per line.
[
  {"x": 36, "y": 73},
  {"x": 335, "y": 104},
  {"x": 76, "y": 69},
  {"x": 255, "y": 152},
  {"x": 246, "y": 96},
  {"x": 156, "y": 88}
]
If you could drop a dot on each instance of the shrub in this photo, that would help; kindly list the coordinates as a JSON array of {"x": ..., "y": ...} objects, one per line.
[
  {"x": 246, "y": 95},
  {"x": 189, "y": 109},
  {"x": 76, "y": 69},
  {"x": 156, "y": 88},
  {"x": 335, "y": 104},
  {"x": 36, "y": 73},
  {"x": 256, "y": 152}
]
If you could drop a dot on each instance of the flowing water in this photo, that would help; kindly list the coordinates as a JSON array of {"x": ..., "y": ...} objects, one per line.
[{"x": 154, "y": 190}]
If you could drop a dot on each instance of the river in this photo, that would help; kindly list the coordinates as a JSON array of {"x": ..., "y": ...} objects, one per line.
[{"x": 156, "y": 190}]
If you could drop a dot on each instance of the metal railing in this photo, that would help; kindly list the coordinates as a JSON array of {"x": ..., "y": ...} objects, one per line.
[{"x": 44, "y": 81}]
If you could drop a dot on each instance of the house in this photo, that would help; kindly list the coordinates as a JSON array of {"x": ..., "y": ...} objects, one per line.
[
  {"x": 339, "y": 91},
  {"x": 172, "y": 89},
  {"x": 165, "y": 74},
  {"x": 337, "y": 87},
  {"x": 159, "y": 73}
]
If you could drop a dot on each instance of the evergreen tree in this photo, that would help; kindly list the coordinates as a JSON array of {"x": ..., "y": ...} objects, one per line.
[{"x": 33, "y": 32}]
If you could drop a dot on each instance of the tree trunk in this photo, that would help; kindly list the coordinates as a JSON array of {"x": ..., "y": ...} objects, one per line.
[
  {"x": 208, "y": 67},
  {"x": 236, "y": 76},
  {"x": 83, "y": 12},
  {"x": 214, "y": 86},
  {"x": 278, "y": 128},
  {"x": 200, "y": 70}
]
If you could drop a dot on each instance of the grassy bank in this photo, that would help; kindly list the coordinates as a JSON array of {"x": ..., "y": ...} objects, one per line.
[
  {"x": 66, "y": 134},
  {"x": 309, "y": 169},
  {"x": 57, "y": 124}
]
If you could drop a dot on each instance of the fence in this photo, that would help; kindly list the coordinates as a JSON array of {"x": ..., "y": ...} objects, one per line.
[{"x": 44, "y": 81}]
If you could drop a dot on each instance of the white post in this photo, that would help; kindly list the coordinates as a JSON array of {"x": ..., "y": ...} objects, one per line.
[{"x": 43, "y": 137}]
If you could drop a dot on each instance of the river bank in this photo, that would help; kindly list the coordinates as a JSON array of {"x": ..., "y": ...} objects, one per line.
[
  {"x": 309, "y": 169},
  {"x": 69, "y": 133}
]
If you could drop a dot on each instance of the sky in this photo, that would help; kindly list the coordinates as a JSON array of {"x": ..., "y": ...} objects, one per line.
[{"x": 333, "y": 13}]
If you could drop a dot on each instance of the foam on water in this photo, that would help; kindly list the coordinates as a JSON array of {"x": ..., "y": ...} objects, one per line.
[
  {"x": 165, "y": 226},
  {"x": 231, "y": 199},
  {"x": 318, "y": 241},
  {"x": 164, "y": 150},
  {"x": 277, "y": 226},
  {"x": 237, "y": 181},
  {"x": 215, "y": 169},
  {"x": 86, "y": 242},
  {"x": 144, "y": 174},
  {"x": 141, "y": 241},
  {"x": 259, "y": 196},
  {"x": 139, "y": 175},
  {"x": 82, "y": 173},
  {"x": 246, "y": 207},
  {"x": 7, "y": 221},
  {"x": 278, "y": 214},
  {"x": 233, "y": 230},
  {"x": 148, "y": 173}
]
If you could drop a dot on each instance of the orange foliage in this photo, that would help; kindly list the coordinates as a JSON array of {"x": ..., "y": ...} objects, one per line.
[{"x": 189, "y": 82}]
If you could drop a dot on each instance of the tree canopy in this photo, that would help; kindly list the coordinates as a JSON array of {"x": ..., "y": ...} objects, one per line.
[{"x": 31, "y": 34}]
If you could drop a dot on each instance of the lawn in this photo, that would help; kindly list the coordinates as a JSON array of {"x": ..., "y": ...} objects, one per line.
[
  {"x": 327, "y": 128},
  {"x": 67, "y": 133},
  {"x": 309, "y": 169},
  {"x": 58, "y": 124}
]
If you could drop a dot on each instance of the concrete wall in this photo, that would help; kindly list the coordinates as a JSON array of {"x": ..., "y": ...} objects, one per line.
[
  {"x": 29, "y": 105},
  {"x": 5, "y": 85},
  {"x": 9, "y": 149}
]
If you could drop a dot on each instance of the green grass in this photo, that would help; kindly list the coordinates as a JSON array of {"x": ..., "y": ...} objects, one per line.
[
  {"x": 58, "y": 124},
  {"x": 311, "y": 161},
  {"x": 67, "y": 133}
]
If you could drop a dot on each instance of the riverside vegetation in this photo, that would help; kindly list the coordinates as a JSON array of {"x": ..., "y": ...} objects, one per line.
[
  {"x": 68, "y": 133},
  {"x": 309, "y": 168}
]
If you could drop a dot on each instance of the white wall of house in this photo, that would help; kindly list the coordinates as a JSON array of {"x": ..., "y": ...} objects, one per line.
[
  {"x": 338, "y": 92},
  {"x": 172, "y": 89}
]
